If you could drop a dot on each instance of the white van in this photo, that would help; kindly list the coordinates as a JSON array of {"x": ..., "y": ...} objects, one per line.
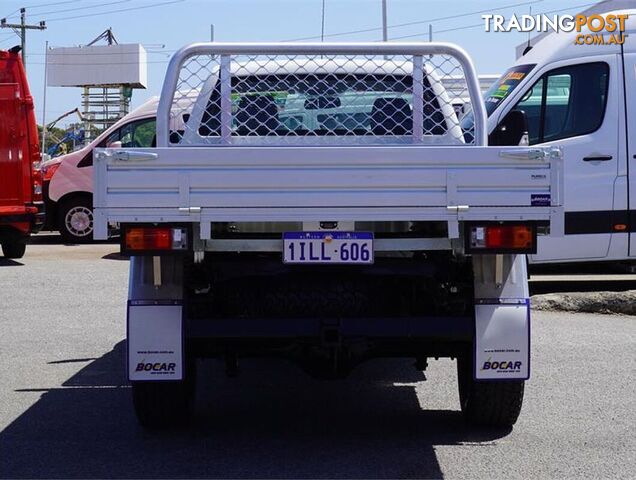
[
  {"x": 68, "y": 179},
  {"x": 581, "y": 98}
]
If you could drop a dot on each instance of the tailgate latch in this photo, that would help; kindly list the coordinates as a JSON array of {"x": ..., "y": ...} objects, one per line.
[
  {"x": 190, "y": 210},
  {"x": 453, "y": 225},
  {"x": 128, "y": 156}
]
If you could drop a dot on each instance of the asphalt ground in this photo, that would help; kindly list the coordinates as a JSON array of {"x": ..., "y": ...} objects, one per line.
[{"x": 65, "y": 407}]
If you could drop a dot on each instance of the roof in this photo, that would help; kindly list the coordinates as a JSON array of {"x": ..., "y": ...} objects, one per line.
[
  {"x": 606, "y": 6},
  {"x": 557, "y": 46}
]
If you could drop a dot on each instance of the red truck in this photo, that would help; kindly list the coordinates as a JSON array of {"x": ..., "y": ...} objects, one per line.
[{"x": 21, "y": 206}]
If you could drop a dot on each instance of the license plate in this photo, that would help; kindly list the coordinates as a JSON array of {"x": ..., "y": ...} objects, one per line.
[{"x": 328, "y": 247}]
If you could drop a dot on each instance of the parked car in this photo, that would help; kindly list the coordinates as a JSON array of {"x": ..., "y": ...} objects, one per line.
[
  {"x": 68, "y": 179},
  {"x": 21, "y": 206},
  {"x": 581, "y": 98}
]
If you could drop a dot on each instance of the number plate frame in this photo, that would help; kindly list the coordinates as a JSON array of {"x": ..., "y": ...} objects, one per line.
[{"x": 325, "y": 248}]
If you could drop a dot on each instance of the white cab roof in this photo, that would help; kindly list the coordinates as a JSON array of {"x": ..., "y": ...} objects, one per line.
[{"x": 561, "y": 46}]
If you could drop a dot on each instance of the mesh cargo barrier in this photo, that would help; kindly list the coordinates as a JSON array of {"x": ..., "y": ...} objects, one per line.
[{"x": 322, "y": 98}]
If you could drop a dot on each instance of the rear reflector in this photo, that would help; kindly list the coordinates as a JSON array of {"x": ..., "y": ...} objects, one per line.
[
  {"x": 36, "y": 173},
  {"x": 501, "y": 238},
  {"x": 153, "y": 239}
]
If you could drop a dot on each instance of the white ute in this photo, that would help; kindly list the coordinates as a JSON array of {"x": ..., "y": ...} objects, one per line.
[{"x": 322, "y": 202}]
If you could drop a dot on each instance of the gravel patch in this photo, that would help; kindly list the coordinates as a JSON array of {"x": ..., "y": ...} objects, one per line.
[{"x": 589, "y": 302}]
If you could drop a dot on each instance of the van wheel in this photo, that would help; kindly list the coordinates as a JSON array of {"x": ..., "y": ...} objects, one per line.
[
  {"x": 164, "y": 404},
  {"x": 14, "y": 248},
  {"x": 488, "y": 403},
  {"x": 76, "y": 220}
]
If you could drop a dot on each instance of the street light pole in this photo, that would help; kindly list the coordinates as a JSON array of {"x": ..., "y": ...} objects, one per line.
[
  {"x": 322, "y": 24},
  {"x": 385, "y": 33},
  {"x": 46, "y": 73}
]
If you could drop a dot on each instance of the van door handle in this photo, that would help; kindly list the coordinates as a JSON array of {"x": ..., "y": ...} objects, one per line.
[{"x": 598, "y": 158}]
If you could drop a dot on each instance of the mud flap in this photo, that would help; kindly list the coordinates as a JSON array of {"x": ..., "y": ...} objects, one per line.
[
  {"x": 502, "y": 318},
  {"x": 502, "y": 341},
  {"x": 155, "y": 340}
]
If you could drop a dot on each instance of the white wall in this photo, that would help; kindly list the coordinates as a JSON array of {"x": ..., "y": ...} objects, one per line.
[{"x": 98, "y": 65}]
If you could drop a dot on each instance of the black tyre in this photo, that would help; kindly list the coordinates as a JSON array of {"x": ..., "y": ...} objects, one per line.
[
  {"x": 488, "y": 403},
  {"x": 14, "y": 248},
  {"x": 164, "y": 404},
  {"x": 75, "y": 220}
]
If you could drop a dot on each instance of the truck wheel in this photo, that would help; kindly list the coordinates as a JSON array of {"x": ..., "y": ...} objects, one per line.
[
  {"x": 14, "y": 248},
  {"x": 488, "y": 403},
  {"x": 76, "y": 220},
  {"x": 164, "y": 404}
]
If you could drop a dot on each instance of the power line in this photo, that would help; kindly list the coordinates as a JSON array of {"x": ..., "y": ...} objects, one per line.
[
  {"x": 463, "y": 27},
  {"x": 54, "y": 3},
  {"x": 475, "y": 25},
  {"x": 408, "y": 24},
  {"x": 31, "y": 7},
  {"x": 342, "y": 33},
  {"x": 83, "y": 8},
  {"x": 116, "y": 11},
  {"x": 93, "y": 54},
  {"x": 567, "y": 8},
  {"x": 102, "y": 63},
  {"x": 12, "y": 13},
  {"x": 6, "y": 40},
  {"x": 22, "y": 27}
]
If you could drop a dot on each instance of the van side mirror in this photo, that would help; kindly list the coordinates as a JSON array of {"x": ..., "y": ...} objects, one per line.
[
  {"x": 116, "y": 144},
  {"x": 510, "y": 130}
]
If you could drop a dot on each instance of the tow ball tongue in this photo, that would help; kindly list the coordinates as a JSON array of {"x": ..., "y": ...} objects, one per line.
[{"x": 328, "y": 225}]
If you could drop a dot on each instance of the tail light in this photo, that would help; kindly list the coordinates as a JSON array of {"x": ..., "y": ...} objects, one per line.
[
  {"x": 49, "y": 170},
  {"x": 153, "y": 239},
  {"x": 36, "y": 176},
  {"x": 501, "y": 238}
]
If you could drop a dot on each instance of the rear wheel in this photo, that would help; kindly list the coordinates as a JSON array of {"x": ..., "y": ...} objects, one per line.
[
  {"x": 76, "y": 220},
  {"x": 488, "y": 403},
  {"x": 164, "y": 404},
  {"x": 14, "y": 248}
]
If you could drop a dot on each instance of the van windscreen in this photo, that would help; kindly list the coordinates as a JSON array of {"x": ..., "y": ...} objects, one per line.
[
  {"x": 503, "y": 87},
  {"x": 499, "y": 91}
]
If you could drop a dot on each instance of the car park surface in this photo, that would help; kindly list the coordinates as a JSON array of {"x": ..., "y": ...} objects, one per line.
[
  {"x": 65, "y": 398},
  {"x": 233, "y": 319}
]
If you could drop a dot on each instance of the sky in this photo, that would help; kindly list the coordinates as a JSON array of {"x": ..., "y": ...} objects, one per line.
[{"x": 163, "y": 26}]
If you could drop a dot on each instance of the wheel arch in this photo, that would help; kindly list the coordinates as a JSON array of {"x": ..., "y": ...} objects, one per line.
[{"x": 77, "y": 194}]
